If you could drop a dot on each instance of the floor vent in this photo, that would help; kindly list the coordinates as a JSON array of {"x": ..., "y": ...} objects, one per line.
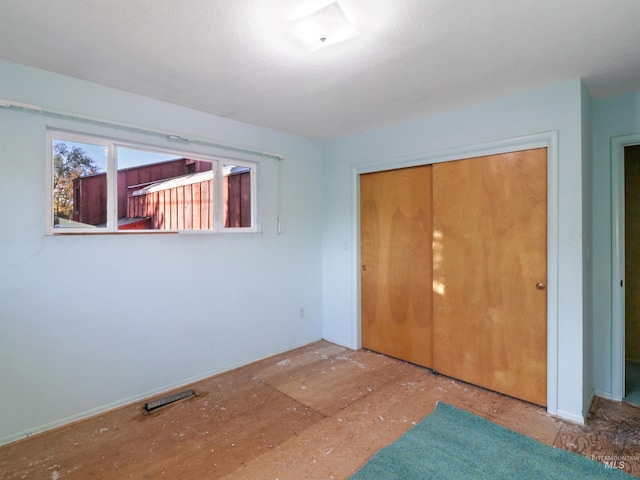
[{"x": 161, "y": 402}]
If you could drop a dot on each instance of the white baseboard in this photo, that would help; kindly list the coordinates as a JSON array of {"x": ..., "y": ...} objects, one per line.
[
  {"x": 605, "y": 395},
  {"x": 572, "y": 417}
]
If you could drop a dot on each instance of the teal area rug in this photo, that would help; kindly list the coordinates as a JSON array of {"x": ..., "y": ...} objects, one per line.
[
  {"x": 454, "y": 444},
  {"x": 632, "y": 382}
]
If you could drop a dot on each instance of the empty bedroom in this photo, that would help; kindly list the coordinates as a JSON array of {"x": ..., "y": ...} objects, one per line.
[{"x": 312, "y": 239}]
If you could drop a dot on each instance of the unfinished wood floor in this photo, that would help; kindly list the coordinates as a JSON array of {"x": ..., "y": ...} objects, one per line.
[{"x": 317, "y": 412}]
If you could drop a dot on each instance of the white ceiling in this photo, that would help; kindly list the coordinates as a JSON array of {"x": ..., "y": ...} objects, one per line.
[{"x": 414, "y": 57}]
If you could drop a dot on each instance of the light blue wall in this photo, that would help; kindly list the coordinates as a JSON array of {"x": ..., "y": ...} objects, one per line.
[
  {"x": 91, "y": 322},
  {"x": 556, "y": 108},
  {"x": 613, "y": 117},
  {"x": 587, "y": 256}
]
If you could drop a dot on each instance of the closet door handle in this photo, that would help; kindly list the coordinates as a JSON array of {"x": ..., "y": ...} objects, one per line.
[{"x": 540, "y": 286}]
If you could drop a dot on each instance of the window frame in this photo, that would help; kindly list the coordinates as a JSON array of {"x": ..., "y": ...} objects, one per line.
[{"x": 112, "y": 145}]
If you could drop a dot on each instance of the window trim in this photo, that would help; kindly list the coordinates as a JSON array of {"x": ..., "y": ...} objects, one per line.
[
  {"x": 219, "y": 210},
  {"x": 112, "y": 145}
]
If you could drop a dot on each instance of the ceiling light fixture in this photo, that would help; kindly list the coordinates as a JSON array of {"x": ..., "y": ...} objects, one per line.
[{"x": 322, "y": 28}]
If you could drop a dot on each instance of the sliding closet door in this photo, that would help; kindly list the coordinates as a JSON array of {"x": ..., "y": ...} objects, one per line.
[
  {"x": 396, "y": 270},
  {"x": 489, "y": 272}
]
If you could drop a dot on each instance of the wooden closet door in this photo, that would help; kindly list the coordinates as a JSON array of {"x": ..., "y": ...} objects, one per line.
[
  {"x": 489, "y": 268},
  {"x": 396, "y": 272}
]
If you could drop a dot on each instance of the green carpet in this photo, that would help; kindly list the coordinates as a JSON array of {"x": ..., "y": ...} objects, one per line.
[
  {"x": 453, "y": 444},
  {"x": 632, "y": 382}
]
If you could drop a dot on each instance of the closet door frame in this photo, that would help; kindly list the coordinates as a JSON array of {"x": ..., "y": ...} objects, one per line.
[{"x": 547, "y": 140}]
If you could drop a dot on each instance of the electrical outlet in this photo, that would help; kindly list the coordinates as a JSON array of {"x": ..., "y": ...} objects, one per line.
[{"x": 301, "y": 312}]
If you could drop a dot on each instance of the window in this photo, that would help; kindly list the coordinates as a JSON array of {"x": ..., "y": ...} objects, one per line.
[{"x": 98, "y": 185}]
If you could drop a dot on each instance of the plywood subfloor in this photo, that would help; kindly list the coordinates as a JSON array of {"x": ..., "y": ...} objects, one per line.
[{"x": 317, "y": 412}]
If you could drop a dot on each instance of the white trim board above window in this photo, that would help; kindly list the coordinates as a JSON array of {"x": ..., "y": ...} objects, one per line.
[{"x": 100, "y": 185}]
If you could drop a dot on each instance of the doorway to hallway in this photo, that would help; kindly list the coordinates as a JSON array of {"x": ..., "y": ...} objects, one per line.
[{"x": 632, "y": 273}]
